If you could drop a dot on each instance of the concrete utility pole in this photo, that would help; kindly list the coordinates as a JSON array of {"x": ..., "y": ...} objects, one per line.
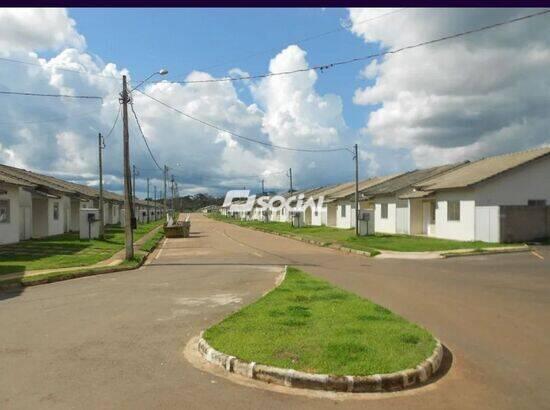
[
  {"x": 155, "y": 201},
  {"x": 356, "y": 157},
  {"x": 165, "y": 176},
  {"x": 172, "y": 190},
  {"x": 148, "y": 210},
  {"x": 290, "y": 176},
  {"x": 101, "y": 145},
  {"x": 128, "y": 234},
  {"x": 135, "y": 172}
]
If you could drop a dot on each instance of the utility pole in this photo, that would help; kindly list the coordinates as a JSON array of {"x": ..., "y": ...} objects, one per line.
[
  {"x": 101, "y": 218},
  {"x": 263, "y": 190},
  {"x": 165, "y": 176},
  {"x": 290, "y": 176},
  {"x": 172, "y": 191},
  {"x": 134, "y": 173},
  {"x": 148, "y": 210},
  {"x": 356, "y": 157},
  {"x": 128, "y": 234},
  {"x": 155, "y": 201}
]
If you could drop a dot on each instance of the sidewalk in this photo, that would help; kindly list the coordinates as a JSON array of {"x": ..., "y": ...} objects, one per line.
[{"x": 114, "y": 260}]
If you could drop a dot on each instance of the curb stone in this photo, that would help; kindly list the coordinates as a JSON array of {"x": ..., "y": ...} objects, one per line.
[
  {"x": 441, "y": 254},
  {"x": 387, "y": 382}
]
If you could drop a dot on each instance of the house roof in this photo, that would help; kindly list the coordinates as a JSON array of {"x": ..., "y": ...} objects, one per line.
[
  {"x": 398, "y": 183},
  {"x": 481, "y": 170},
  {"x": 35, "y": 180},
  {"x": 349, "y": 190},
  {"x": 14, "y": 180}
]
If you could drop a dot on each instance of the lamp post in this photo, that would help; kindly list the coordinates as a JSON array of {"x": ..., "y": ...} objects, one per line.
[{"x": 128, "y": 202}]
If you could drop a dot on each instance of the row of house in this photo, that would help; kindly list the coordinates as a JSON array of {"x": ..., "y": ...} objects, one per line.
[
  {"x": 34, "y": 205},
  {"x": 503, "y": 198}
]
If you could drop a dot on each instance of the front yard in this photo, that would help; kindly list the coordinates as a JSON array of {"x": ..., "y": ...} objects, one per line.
[
  {"x": 65, "y": 250},
  {"x": 372, "y": 243},
  {"x": 310, "y": 325}
]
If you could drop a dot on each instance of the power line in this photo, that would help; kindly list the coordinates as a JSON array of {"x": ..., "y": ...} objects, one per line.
[
  {"x": 84, "y": 97},
  {"x": 143, "y": 136},
  {"x": 323, "y": 67},
  {"x": 50, "y": 120},
  {"x": 114, "y": 123},
  {"x": 306, "y": 39},
  {"x": 216, "y": 127},
  {"x": 13, "y": 60}
]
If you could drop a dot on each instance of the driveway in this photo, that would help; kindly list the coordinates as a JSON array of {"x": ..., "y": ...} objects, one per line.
[{"x": 116, "y": 340}]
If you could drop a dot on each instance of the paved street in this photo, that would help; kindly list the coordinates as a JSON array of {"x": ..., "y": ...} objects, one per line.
[{"x": 117, "y": 340}]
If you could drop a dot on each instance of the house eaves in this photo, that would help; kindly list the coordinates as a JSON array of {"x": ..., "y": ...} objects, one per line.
[{"x": 482, "y": 170}]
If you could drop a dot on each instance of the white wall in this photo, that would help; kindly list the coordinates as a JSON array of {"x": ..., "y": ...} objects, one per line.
[
  {"x": 347, "y": 221},
  {"x": 385, "y": 225},
  {"x": 9, "y": 232},
  {"x": 320, "y": 218},
  {"x": 75, "y": 215},
  {"x": 25, "y": 214},
  {"x": 55, "y": 227},
  {"x": 463, "y": 230},
  {"x": 531, "y": 181}
]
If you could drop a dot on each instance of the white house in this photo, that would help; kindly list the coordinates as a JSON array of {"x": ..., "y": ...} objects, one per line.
[
  {"x": 391, "y": 211},
  {"x": 340, "y": 204},
  {"x": 503, "y": 198},
  {"x": 11, "y": 211}
]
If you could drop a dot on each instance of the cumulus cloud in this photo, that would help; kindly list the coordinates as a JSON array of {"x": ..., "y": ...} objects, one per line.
[
  {"x": 59, "y": 136},
  {"x": 479, "y": 95},
  {"x": 37, "y": 29}
]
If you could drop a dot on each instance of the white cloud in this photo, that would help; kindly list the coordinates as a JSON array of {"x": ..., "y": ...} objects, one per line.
[
  {"x": 37, "y": 29},
  {"x": 60, "y": 135},
  {"x": 478, "y": 95}
]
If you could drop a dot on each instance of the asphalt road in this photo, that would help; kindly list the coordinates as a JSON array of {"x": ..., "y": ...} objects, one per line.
[{"x": 117, "y": 340}]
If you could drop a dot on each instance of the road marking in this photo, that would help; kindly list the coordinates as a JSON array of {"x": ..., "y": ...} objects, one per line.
[
  {"x": 161, "y": 248},
  {"x": 538, "y": 255}
]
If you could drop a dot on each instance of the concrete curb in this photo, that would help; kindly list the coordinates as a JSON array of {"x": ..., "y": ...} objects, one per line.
[
  {"x": 401, "y": 255},
  {"x": 77, "y": 272},
  {"x": 486, "y": 251},
  {"x": 352, "y": 384},
  {"x": 388, "y": 382}
]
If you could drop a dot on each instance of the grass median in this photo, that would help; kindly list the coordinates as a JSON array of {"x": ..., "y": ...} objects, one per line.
[
  {"x": 139, "y": 256},
  {"x": 310, "y": 325},
  {"x": 67, "y": 250},
  {"x": 371, "y": 243}
]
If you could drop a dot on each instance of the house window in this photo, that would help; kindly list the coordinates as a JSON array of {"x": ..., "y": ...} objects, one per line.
[
  {"x": 384, "y": 211},
  {"x": 56, "y": 211},
  {"x": 343, "y": 211},
  {"x": 5, "y": 211},
  {"x": 536, "y": 202},
  {"x": 453, "y": 210}
]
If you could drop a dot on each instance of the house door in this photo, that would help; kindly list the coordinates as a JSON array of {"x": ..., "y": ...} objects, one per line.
[
  {"x": 402, "y": 217},
  {"x": 25, "y": 223}
]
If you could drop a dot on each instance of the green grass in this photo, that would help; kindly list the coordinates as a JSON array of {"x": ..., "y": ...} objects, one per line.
[
  {"x": 67, "y": 250},
  {"x": 310, "y": 325},
  {"x": 72, "y": 274},
  {"x": 371, "y": 243},
  {"x": 152, "y": 242}
]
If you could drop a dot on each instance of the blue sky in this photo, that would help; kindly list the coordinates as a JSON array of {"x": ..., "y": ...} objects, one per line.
[
  {"x": 453, "y": 101},
  {"x": 216, "y": 40}
]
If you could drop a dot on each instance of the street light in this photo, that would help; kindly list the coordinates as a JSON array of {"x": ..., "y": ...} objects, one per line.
[
  {"x": 162, "y": 71},
  {"x": 128, "y": 218}
]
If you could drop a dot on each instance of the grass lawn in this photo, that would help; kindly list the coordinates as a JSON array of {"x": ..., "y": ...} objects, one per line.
[
  {"x": 371, "y": 243},
  {"x": 309, "y": 325},
  {"x": 65, "y": 250}
]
